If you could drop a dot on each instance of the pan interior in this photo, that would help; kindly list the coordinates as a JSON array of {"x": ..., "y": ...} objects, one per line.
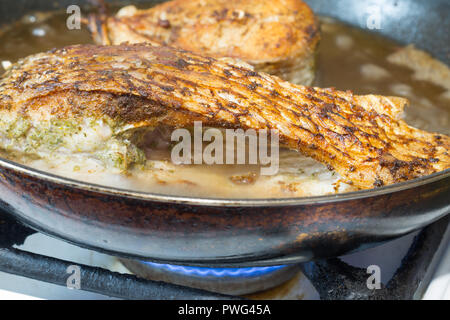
[{"x": 348, "y": 59}]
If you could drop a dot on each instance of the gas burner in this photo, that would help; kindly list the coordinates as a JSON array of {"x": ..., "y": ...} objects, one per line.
[
  {"x": 232, "y": 281},
  {"x": 325, "y": 279}
]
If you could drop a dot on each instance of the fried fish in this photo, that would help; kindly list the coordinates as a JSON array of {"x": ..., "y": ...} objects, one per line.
[
  {"x": 94, "y": 100},
  {"x": 279, "y": 37}
]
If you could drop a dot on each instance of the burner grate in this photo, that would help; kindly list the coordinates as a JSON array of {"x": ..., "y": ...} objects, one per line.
[
  {"x": 335, "y": 279},
  {"x": 97, "y": 280}
]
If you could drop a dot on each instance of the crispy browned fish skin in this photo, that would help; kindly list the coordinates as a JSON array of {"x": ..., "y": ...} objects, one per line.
[
  {"x": 141, "y": 85},
  {"x": 276, "y": 36}
]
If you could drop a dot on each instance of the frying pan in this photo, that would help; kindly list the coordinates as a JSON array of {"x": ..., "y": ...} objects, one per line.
[{"x": 227, "y": 232}]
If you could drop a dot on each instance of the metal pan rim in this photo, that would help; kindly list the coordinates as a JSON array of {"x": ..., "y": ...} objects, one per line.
[{"x": 223, "y": 202}]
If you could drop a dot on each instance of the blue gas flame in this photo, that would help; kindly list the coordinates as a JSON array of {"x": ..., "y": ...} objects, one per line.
[{"x": 216, "y": 272}]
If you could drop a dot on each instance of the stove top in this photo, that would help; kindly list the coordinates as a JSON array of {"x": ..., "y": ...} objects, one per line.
[{"x": 35, "y": 266}]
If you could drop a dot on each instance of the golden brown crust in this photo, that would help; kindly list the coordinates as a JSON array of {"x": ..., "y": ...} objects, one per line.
[
  {"x": 142, "y": 85},
  {"x": 253, "y": 30},
  {"x": 276, "y": 36}
]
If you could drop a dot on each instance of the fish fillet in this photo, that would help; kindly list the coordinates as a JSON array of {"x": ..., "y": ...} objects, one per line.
[
  {"x": 279, "y": 37},
  {"x": 86, "y": 98}
]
